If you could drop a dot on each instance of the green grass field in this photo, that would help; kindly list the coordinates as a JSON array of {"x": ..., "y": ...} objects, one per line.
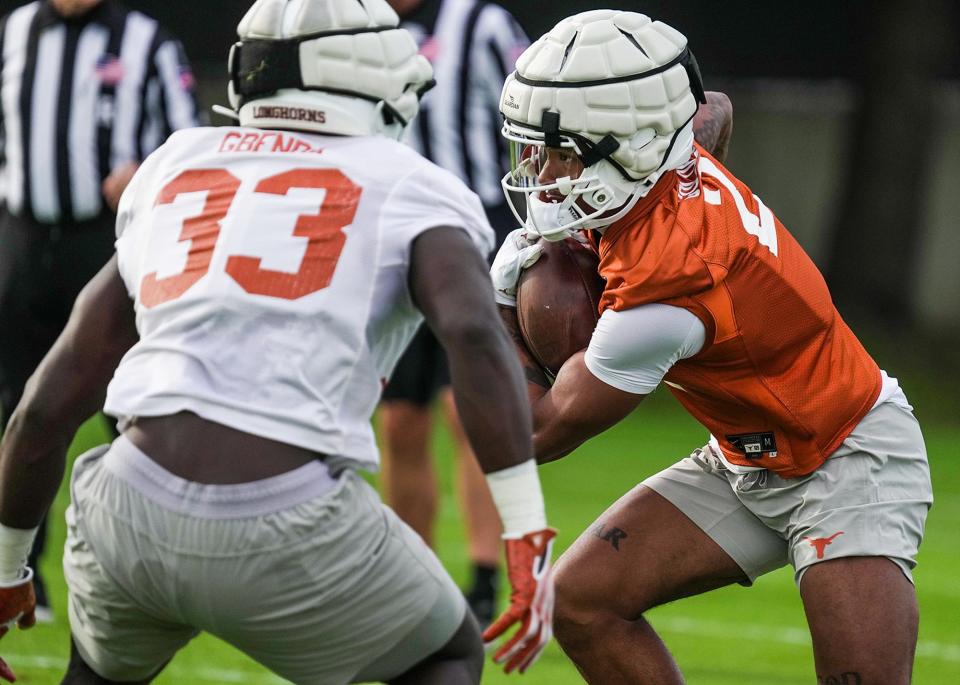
[{"x": 737, "y": 635}]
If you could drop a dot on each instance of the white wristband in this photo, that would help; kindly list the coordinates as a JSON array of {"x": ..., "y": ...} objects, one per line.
[
  {"x": 516, "y": 493},
  {"x": 15, "y": 544}
]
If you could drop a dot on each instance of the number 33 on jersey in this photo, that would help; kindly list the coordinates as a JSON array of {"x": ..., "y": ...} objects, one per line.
[
  {"x": 203, "y": 208},
  {"x": 240, "y": 244},
  {"x": 336, "y": 198}
]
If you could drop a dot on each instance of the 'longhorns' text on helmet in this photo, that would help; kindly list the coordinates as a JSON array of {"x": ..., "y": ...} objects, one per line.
[
  {"x": 329, "y": 66},
  {"x": 621, "y": 91}
]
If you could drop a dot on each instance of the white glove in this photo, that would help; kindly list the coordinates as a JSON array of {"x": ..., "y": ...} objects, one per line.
[{"x": 517, "y": 253}]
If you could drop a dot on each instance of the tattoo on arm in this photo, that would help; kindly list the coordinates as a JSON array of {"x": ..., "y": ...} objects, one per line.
[
  {"x": 531, "y": 368},
  {"x": 713, "y": 125}
]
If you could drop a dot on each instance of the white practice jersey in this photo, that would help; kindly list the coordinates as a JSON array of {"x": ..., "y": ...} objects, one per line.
[{"x": 269, "y": 272}]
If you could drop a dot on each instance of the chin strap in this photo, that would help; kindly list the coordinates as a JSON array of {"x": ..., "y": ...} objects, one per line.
[{"x": 591, "y": 152}]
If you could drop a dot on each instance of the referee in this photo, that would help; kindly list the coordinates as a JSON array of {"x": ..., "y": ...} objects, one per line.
[
  {"x": 472, "y": 45},
  {"x": 88, "y": 88}
]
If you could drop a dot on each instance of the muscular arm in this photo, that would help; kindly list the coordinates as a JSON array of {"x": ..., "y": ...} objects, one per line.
[
  {"x": 451, "y": 286},
  {"x": 577, "y": 407},
  {"x": 67, "y": 388},
  {"x": 713, "y": 124}
]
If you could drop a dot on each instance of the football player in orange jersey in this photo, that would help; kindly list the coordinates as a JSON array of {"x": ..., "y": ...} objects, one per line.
[{"x": 814, "y": 457}]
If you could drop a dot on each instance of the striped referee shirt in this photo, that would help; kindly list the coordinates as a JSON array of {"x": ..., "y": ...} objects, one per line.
[
  {"x": 472, "y": 46},
  {"x": 80, "y": 97}
]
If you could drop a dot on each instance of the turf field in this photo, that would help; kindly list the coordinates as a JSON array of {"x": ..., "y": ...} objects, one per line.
[{"x": 737, "y": 635}]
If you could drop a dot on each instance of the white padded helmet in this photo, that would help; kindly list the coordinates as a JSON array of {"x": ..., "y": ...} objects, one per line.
[
  {"x": 621, "y": 91},
  {"x": 328, "y": 66}
]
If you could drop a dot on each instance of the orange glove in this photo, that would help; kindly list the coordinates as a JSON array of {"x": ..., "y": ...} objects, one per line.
[
  {"x": 17, "y": 604},
  {"x": 531, "y": 601}
]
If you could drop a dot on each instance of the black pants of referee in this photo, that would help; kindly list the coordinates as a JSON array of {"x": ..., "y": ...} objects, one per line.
[
  {"x": 42, "y": 269},
  {"x": 422, "y": 370}
]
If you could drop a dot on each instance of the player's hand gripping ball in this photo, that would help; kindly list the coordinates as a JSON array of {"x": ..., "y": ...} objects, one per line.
[
  {"x": 557, "y": 301},
  {"x": 531, "y": 601},
  {"x": 517, "y": 252}
]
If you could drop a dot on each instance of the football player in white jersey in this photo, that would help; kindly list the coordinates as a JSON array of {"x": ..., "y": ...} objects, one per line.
[{"x": 267, "y": 278}]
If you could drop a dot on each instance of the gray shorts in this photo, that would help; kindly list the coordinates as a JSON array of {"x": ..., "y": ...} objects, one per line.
[
  {"x": 309, "y": 574},
  {"x": 870, "y": 498}
]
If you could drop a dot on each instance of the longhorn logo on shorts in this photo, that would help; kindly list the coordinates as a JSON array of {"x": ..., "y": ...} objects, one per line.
[{"x": 820, "y": 544}]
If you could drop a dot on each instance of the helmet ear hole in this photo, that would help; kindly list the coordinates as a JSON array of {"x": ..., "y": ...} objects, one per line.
[
  {"x": 599, "y": 198},
  {"x": 642, "y": 138}
]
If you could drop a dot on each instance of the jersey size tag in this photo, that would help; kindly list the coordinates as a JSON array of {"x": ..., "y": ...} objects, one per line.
[{"x": 754, "y": 445}]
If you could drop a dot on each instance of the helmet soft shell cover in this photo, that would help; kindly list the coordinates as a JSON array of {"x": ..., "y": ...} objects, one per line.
[
  {"x": 346, "y": 59},
  {"x": 616, "y": 86},
  {"x": 608, "y": 73}
]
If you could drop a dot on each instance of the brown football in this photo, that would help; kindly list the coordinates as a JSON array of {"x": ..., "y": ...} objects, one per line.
[{"x": 557, "y": 302}]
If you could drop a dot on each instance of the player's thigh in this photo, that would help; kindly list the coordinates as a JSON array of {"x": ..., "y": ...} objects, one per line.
[
  {"x": 362, "y": 594},
  {"x": 863, "y": 618},
  {"x": 463, "y": 650},
  {"x": 113, "y": 634},
  {"x": 80, "y": 673},
  {"x": 680, "y": 533},
  {"x": 405, "y": 429},
  {"x": 854, "y": 537}
]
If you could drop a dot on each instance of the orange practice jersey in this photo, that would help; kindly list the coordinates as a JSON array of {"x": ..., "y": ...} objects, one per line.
[{"x": 781, "y": 380}]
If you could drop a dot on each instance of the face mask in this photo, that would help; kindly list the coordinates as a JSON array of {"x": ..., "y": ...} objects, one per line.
[{"x": 551, "y": 220}]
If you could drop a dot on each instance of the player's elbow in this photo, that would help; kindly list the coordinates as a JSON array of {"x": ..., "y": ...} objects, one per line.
[
  {"x": 35, "y": 421},
  {"x": 464, "y": 331},
  {"x": 561, "y": 428},
  {"x": 554, "y": 441},
  {"x": 721, "y": 101},
  {"x": 30, "y": 415},
  {"x": 48, "y": 406}
]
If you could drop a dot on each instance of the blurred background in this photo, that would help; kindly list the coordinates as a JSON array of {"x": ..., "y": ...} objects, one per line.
[{"x": 847, "y": 124}]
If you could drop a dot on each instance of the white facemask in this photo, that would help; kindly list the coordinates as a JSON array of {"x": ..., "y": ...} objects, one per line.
[
  {"x": 549, "y": 220},
  {"x": 606, "y": 195}
]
